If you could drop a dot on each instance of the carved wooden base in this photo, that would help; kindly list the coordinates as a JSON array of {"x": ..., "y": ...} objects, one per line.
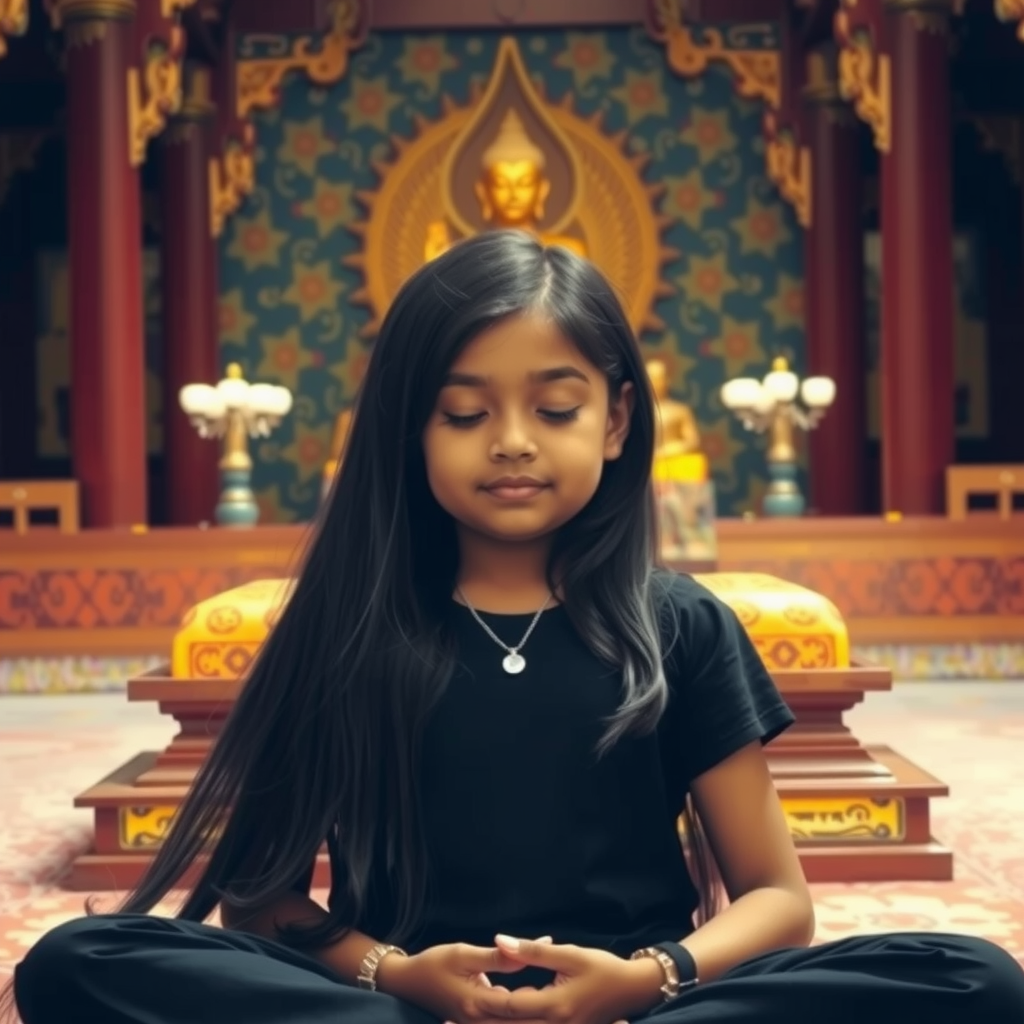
[{"x": 857, "y": 813}]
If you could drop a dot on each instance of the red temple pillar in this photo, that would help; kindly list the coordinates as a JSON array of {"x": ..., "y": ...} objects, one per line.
[
  {"x": 188, "y": 277},
  {"x": 917, "y": 359},
  {"x": 834, "y": 256},
  {"x": 108, "y": 421}
]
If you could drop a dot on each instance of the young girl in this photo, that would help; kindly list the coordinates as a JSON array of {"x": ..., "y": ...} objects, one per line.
[{"x": 493, "y": 708}]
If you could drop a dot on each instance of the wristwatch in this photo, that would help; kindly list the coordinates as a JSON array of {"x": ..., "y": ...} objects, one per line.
[
  {"x": 671, "y": 987},
  {"x": 367, "y": 976},
  {"x": 677, "y": 963}
]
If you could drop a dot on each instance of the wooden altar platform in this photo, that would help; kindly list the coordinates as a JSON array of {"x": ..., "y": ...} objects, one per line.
[
  {"x": 856, "y": 813},
  {"x": 916, "y": 581}
]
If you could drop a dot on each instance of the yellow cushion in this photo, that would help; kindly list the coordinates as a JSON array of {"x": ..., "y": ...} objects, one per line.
[
  {"x": 792, "y": 627},
  {"x": 219, "y": 637}
]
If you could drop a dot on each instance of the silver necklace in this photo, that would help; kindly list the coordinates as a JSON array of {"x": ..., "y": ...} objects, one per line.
[{"x": 513, "y": 662}]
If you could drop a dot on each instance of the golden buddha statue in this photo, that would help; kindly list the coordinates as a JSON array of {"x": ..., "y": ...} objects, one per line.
[
  {"x": 511, "y": 190},
  {"x": 677, "y": 453}
]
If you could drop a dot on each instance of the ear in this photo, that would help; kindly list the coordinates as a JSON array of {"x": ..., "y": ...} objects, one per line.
[
  {"x": 620, "y": 415},
  {"x": 543, "y": 190}
]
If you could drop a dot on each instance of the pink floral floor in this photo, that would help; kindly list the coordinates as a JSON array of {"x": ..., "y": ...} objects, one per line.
[{"x": 970, "y": 734}]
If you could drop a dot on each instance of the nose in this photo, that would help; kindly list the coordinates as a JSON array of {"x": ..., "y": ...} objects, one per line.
[{"x": 512, "y": 443}]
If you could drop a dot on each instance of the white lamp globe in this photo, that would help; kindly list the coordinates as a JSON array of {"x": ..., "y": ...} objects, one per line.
[
  {"x": 262, "y": 399},
  {"x": 197, "y": 399},
  {"x": 782, "y": 384},
  {"x": 281, "y": 401},
  {"x": 741, "y": 393},
  {"x": 818, "y": 392}
]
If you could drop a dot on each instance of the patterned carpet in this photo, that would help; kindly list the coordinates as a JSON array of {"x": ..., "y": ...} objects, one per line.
[{"x": 970, "y": 734}]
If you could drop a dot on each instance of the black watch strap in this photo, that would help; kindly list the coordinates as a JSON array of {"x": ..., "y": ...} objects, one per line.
[{"x": 685, "y": 964}]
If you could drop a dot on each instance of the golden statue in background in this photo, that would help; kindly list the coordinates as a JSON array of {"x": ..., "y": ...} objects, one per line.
[
  {"x": 676, "y": 430},
  {"x": 511, "y": 190},
  {"x": 677, "y": 452}
]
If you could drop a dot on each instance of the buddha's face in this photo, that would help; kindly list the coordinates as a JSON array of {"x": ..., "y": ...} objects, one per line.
[{"x": 512, "y": 193}]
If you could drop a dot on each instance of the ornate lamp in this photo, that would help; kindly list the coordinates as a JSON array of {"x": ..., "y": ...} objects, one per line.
[
  {"x": 235, "y": 410},
  {"x": 770, "y": 405}
]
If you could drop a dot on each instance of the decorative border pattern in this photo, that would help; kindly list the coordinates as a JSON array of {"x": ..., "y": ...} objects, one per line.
[{"x": 908, "y": 662}]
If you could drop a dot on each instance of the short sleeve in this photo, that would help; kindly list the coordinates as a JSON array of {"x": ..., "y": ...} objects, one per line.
[{"x": 721, "y": 696}]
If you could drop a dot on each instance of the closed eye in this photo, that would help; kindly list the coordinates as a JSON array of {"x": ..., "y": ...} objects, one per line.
[
  {"x": 560, "y": 416},
  {"x": 463, "y": 421}
]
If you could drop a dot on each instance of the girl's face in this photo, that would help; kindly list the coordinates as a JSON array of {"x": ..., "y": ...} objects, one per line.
[{"x": 520, "y": 432}]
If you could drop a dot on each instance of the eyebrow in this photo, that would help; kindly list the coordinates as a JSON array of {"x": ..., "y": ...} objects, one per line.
[{"x": 468, "y": 380}]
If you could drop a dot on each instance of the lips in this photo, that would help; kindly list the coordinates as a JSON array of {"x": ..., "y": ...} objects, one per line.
[{"x": 515, "y": 488}]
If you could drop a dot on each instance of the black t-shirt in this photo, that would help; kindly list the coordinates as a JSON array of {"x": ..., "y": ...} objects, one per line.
[{"x": 529, "y": 832}]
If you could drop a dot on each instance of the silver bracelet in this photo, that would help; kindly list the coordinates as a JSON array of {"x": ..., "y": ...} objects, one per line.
[{"x": 367, "y": 976}]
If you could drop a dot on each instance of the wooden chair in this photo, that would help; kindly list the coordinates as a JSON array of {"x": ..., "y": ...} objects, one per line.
[
  {"x": 963, "y": 482},
  {"x": 26, "y": 496}
]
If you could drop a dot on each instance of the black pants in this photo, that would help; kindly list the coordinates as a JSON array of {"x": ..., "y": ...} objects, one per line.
[{"x": 145, "y": 970}]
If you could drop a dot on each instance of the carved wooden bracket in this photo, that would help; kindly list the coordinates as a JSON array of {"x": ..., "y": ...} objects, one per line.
[
  {"x": 756, "y": 72},
  {"x": 13, "y": 21},
  {"x": 232, "y": 178},
  {"x": 323, "y": 62},
  {"x": 255, "y": 84},
  {"x": 757, "y": 75},
  {"x": 789, "y": 168},
  {"x": 865, "y": 74}
]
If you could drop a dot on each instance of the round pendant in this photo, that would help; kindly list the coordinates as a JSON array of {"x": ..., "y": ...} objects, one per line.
[{"x": 513, "y": 663}]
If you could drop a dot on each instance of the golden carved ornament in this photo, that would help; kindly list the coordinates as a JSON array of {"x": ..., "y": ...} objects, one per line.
[
  {"x": 232, "y": 178},
  {"x": 13, "y": 21},
  {"x": 789, "y": 169},
  {"x": 865, "y": 78},
  {"x": 258, "y": 87},
  {"x": 757, "y": 72},
  {"x": 757, "y": 76},
  {"x": 846, "y": 818},
  {"x": 154, "y": 93},
  {"x": 1012, "y": 11},
  {"x": 259, "y": 80},
  {"x": 616, "y": 212}
]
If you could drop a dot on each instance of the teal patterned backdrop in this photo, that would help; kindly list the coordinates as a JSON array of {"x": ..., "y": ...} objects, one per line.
[{"x": 287, "y": 310}]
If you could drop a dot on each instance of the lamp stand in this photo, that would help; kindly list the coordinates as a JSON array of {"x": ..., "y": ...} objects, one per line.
[{"x": 237, "y": 505}]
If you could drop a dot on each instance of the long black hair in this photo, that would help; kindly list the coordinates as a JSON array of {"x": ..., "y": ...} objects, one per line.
[{"x": 325, "y": 734}]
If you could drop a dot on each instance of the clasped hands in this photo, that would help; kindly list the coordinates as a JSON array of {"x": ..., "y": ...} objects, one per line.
[{"x": 591, "y": 986}]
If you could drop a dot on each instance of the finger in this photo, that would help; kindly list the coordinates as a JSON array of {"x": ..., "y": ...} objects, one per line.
[
  {"x": 564, "y": 959},
  {"x": 474, "y": 960},
  {"x": 522, "y": 1005},
  {"x": 496, "y": 960}
]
